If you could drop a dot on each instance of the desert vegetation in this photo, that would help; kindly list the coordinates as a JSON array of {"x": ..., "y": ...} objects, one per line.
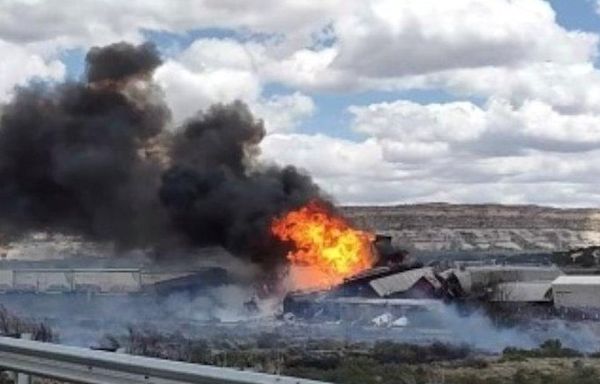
[{"x": 365, "y": 363}]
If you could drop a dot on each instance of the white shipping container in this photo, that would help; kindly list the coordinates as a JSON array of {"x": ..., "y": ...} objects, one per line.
[{"x": 576, "y": 291}]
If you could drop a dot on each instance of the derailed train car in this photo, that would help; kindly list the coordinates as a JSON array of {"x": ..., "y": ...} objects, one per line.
[
  {"x": 402, "y": 291},
  {"x": 400, "y": 287}
]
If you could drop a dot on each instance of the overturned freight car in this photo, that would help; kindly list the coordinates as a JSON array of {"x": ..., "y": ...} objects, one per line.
[{"x": 398, "y": 290}]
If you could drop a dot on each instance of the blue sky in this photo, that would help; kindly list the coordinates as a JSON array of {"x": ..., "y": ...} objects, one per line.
[{"x": 578, "y": 14}]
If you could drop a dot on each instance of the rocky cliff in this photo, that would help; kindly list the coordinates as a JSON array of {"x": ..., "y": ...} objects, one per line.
[{"x": 486, "y": 227}]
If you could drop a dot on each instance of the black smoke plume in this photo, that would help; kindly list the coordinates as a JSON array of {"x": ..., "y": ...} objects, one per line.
[
  {"x": 93, "y": 158},
  {"x": 121, "y": 60}
]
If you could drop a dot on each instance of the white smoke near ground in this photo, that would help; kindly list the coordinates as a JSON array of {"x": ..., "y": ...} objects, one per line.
[
  {"x": 83, "y": 320},
  {"x": 225, "y": 310},
  {"x": 228, "y": 303},
  {"x": 478, "y": 330}
]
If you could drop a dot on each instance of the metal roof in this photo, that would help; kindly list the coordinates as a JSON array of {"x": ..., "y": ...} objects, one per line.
[
  {"x": 403, "y": 281},
  {"x": 484, "y": 276},
  {"x": 531, "y": 291},
  {"x": 577, "y": 280},
  {"x": 372, "y": 272},
  {"x": 513, "y": 267}
]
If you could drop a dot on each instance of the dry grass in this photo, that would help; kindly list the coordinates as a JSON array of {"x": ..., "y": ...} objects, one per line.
[{"x": 500, "y": 371}]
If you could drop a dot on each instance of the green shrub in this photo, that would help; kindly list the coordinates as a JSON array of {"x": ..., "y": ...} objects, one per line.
[
  {"x": 390, "y": 352},
  {"x": 549, "y": 348}
]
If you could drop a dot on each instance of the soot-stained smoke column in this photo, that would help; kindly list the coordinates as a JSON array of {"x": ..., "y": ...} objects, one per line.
[
  {"x": 74, "y": 158},
  {"x": 217, "y": 192},
  {"x": 69, "y": 157}
]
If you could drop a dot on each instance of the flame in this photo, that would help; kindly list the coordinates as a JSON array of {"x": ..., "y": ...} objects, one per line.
[{"x": 326, "y": 249}]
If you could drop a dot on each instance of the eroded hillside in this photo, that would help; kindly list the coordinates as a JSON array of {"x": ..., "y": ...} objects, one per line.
[{"x": 450, "y": 227}]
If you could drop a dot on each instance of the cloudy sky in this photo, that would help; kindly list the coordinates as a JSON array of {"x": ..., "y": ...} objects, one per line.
[{"x": 383, "y": 101}]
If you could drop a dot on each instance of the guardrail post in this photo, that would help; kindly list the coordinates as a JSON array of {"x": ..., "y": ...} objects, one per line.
[{"x": 23, "y": 378}]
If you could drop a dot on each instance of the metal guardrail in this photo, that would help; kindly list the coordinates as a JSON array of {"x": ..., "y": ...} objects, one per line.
[{"x": 78, "y": 365}]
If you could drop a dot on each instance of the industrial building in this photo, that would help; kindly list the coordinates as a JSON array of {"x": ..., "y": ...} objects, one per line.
[{"x": 107, "y": 280}]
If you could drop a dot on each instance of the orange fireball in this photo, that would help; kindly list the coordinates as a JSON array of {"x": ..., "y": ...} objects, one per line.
[{"x": 324, "y": 244}]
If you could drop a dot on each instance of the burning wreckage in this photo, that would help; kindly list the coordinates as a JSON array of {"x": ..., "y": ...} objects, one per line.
[{"x": 397, "y": 287}]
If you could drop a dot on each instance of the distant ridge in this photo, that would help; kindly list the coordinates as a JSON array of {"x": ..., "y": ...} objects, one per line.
[{"x": 481, "y": 227}]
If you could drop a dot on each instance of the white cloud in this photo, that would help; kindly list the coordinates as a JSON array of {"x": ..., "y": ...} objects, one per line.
[
  {"x": 284, "y": 112},
  {"x": 454, "y": 152},
  {"x": 187, "y": 91},
  {"x": 330, "y": 44},
  {"x": 327, "y": 157},
  {"x": 308, "y": 69},
  {"x": 71, "y": 23},
  {"x": 408, "y": 121},
  {"x": 222, "y": 70},
  {"x": 498, "y": 127},
  {"x": 570, "y": 88},
  {"x": 417, "y": 152},
  {"x": 358, "y": 172},
  {"x": 18, "y": 66},
  {"x": 536, "y": 166},
  {"x": 212, "y": 54},
  {"x": 391, "y": 38},
  {"x": 387, "y": 44}
]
